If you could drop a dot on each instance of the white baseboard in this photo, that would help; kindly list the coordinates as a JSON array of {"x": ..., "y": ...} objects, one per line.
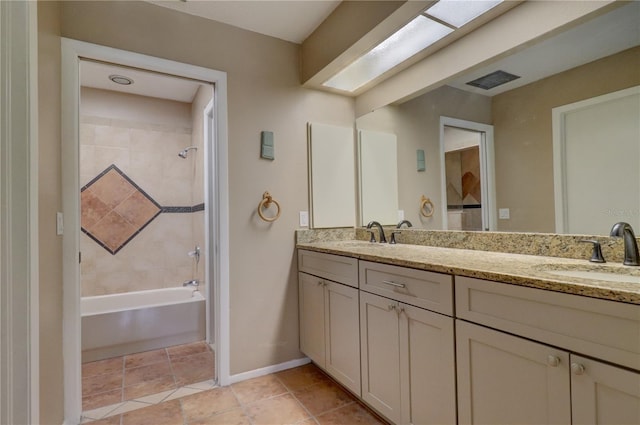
[{"x": 267, "y": 370}]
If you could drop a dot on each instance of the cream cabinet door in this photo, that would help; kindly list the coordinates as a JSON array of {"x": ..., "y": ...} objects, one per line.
[
  {"x": 342, "y": 330},
  {"x": 503, "y": 379},
  {"x": 427, "y": 359},
  {"x": 312, "y": 317},
  {"x": 380, "y": 354},
  {"x": 603, "y": 394}
]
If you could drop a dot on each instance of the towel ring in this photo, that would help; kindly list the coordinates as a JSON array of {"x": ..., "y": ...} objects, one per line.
[
  {"x": 424, "y": 202},
  {"x": 266, "y": 202}
]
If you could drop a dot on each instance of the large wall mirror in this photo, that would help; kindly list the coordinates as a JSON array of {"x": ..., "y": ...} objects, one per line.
[{"x": 595, "y": 58}]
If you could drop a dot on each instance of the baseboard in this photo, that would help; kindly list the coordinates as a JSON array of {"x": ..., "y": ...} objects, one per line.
[{"x": 267, "y": 370}]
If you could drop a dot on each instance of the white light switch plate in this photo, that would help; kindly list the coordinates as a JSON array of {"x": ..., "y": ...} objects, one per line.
[
  {"x": 304, "y": 218},
  {"x": 503, "y": 213},
  {"x": 59, "y": 224}
]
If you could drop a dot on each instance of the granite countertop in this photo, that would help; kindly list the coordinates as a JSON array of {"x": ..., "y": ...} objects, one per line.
[{"x": 518, "y": 269}]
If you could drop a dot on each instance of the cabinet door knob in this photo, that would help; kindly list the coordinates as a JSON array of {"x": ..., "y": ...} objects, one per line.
[
  {"x": 577, "y": 368},
  {"x": 553, "y": 361}
]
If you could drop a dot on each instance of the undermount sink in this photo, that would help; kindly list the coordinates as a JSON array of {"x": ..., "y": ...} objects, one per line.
[{"x": 605, "y": 273}]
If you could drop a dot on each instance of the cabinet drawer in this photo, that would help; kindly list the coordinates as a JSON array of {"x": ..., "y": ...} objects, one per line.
[
  {"x": 433, "y": 291},
  {"x": 604, "y": 329},
  {"x": 328, "y": 266}
]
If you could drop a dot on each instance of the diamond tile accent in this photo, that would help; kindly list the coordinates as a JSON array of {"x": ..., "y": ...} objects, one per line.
[{"x": 115, "y": 209}]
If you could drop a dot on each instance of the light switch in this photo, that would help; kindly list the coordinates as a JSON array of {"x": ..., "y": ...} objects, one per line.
[
  {"x": 59, "y": 224},
  {"x": 503, "y": 213},
  {"x": 304, "y": 218}
]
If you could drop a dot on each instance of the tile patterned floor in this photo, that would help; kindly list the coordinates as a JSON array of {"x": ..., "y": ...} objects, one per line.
[
  {"x": 142, "y": 376},
  {"x": 303, "y": 395}
]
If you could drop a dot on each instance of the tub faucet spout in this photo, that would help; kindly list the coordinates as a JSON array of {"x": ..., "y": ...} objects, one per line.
[{"x": 192, "y": 282}]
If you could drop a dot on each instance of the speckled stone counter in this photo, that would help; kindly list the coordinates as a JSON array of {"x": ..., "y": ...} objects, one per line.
[{"x": 524, "y": 270}]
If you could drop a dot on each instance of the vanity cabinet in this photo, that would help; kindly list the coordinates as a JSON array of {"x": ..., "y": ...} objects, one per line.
[
  {"x": 329, "y": 319},
  {"x": 603, "y": 394},
  {"x": 408, "y": 356},
  {"x": 504, "y": 378},
  {"x": 418, "y": 353}
]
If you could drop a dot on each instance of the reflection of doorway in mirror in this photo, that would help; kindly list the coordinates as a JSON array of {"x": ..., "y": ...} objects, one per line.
[
  {"x": 462, "y": 170},
  {"x": 467, "y": 175},
  {"x": 597, "y": 163},
  {"x": 464, "y": 189}
]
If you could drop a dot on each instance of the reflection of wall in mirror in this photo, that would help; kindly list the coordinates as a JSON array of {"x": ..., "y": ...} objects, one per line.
[
  {"x": 417, "y": 126},
  {"x": 523, "y": 135}
]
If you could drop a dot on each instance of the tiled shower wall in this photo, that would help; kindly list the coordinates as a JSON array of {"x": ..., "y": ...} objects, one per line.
[{"x": 142, "y": 136}]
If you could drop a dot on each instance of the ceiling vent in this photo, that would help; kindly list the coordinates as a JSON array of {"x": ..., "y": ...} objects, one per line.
[{"x": 492, "y": 80}]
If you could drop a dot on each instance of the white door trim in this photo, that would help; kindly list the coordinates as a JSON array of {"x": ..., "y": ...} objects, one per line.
[
  {"x": 487, "y": 170},
  {"x": 72, "y": 51},
  {"x": 19, "y": 280}
]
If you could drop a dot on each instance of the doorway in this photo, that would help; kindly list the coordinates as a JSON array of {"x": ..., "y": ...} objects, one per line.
[
  {"x": 467, "y": 173},
  {"x": 211, "y": 229},
  {"x": 142, "y": 276}
]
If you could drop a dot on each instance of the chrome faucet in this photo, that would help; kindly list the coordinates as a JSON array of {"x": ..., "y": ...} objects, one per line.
[
  {"x": 624, "y": 230},
  {"x": 192, "y": 282},
  {"x": 407, "y": 222},
  {"x": 383, "y": 239}
]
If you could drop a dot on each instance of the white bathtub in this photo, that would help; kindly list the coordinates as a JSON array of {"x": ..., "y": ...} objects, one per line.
[{"x": 131, "y": 322}]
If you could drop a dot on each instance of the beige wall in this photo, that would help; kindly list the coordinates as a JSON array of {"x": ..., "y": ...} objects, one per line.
[
  {"x": 417, "y": 125},
  {"x": 524, "y": 139},
  {"x": 50, "y": 201},
  {"x": 264, "y": 93}
]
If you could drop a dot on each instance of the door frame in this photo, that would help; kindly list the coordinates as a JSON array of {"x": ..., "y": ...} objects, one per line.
[
  {"x": 216, "y": 201},
  {"x": 487, "y": 170},
  {"x": 19, "y": 214}
]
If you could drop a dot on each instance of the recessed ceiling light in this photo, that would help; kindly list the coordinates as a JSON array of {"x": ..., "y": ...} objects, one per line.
[
  {"x": 400, "y": 46},
  {"x": 492, "y": 80},
  {"x": 120, "y": 79},
  {"x": 460, "y": 12}
]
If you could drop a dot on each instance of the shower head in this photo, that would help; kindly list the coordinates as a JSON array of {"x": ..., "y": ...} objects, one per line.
[{"x": 183, "y": 153}]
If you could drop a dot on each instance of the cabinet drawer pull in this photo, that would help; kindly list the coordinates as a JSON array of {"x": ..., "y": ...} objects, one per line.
[{"x": 397, "y": 285}]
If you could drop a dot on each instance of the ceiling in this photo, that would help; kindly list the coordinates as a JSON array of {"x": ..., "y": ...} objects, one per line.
[
  {"x": 288, "y": 20},
  {"x": 294, "y": 20},
  {"x": 145, "y": 83},
  {"x": 603, "y": 36}
]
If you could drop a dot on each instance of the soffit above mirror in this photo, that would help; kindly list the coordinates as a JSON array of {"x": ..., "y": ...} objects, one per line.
[
  {"x": 338, "y": 44},
  {"x": 516, "y": 31}
]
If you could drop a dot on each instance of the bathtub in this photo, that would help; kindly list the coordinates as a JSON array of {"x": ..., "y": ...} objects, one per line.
[{"x": 131, "y": 322}]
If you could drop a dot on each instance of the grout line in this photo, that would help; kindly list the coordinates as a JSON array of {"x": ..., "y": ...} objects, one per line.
[{"x": 243, "y": 406}]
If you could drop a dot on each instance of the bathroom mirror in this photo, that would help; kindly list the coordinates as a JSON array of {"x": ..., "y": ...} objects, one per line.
[
  {"x": 378, "y": 177},
  {"x": 597, "y": 57}
]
